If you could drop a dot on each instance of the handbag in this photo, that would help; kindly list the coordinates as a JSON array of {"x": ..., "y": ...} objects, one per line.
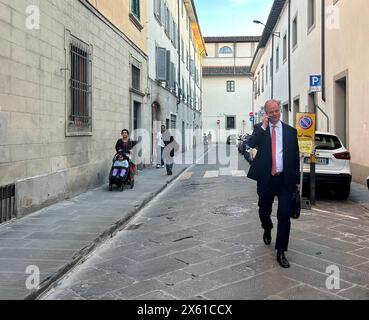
[{"x": 296, "y": 205}]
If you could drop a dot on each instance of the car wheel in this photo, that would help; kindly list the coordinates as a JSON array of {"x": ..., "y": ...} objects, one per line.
[{"x": 343, "y": 192}]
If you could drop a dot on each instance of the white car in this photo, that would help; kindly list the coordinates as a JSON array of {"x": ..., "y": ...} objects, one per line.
[{"x": 332, "y": 165}]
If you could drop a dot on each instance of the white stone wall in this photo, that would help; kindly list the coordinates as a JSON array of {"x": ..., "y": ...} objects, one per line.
[
  {"x": 33, "y": 143},
  {"x": 168, "y": 100},
  {"x": 219, "y": 103},
  {"x": 305, "y": 61}
]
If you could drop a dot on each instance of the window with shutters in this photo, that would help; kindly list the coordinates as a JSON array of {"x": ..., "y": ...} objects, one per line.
[
  {"x": 294, "y": 33},
  {"x": 161, "y": 64},
  {"x": 79, "y": 95},
  {"x": 262, "y": 79},
  {"x": 135, "y": 8},
  {"x": 158, "y": 10},
  {"x": 266, "y": 74},
  {"x": 167, "y": 22},
  {"x": 168, "y": 76},
  {"x": 135, "y": 78},
  {"x": 182, "y": 50},
  {"x": 311, "y": 15}
]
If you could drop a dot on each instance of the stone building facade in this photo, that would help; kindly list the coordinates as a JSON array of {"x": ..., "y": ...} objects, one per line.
[{"x": 70, "y": 80}]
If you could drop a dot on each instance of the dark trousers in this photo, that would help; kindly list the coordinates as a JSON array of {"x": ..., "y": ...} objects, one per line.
[
  {"x": 266, "y": 194},
  {"x": 169, "y": 164}
]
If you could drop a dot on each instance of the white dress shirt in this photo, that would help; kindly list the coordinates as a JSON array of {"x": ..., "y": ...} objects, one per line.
[
  {"x": 159, "y": 139},
  {"x": 279, "y": 144}
]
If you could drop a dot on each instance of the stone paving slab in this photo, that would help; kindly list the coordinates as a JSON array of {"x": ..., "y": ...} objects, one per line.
[
  {"x": 57, "y": 237},
  {"x": 155, "y": 261}
]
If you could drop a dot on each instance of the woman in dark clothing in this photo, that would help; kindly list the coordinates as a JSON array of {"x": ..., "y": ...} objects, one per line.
[{"x": 125, "y": 144}]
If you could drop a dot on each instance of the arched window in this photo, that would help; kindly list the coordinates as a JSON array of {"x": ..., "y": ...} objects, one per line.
[{"x": 225, "y": 50}]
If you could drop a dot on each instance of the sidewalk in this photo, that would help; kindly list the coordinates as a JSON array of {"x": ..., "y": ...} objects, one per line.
[{"x": 56, "y": 238}]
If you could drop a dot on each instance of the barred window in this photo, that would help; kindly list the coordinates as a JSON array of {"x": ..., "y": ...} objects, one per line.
[{"x": 80, "y": 85}]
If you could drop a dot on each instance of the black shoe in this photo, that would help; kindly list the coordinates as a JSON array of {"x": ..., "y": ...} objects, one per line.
[
  {"x": 282, "y": 260},
  {"x": 267, "y": 237}
]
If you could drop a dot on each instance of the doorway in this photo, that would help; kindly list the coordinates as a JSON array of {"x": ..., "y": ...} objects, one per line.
[
  {"x": 136, "y": 115},
  {"x": 340, "y": 110},
  {"x": 296, "y": 109}
]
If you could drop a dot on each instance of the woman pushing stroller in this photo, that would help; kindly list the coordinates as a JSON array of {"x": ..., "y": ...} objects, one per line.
[{"x": 123, "y": 169}]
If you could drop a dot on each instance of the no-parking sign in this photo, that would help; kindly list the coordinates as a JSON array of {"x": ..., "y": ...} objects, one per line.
[{"x": 305, "y": 125}]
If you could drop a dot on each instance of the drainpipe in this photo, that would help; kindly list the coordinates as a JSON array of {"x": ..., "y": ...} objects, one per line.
[
  {"x": 179, "y": 56},
  {"x": 272, "y": 67},
  {"x": 323, "y": 50},
  {"x": 289, "y": 56}
]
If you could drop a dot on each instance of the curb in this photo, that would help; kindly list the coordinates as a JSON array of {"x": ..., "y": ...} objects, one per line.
[{"x": 51, "y": 281}]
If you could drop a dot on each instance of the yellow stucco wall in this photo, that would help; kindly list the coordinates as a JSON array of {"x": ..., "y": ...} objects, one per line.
[{"x": 117, "y": 11}]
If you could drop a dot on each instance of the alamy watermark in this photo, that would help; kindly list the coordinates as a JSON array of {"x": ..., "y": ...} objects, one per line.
[
  {"x": 33, "y": 280},
  {"x": 33, "y": 17},
  {"x": 333, "y": 280}
]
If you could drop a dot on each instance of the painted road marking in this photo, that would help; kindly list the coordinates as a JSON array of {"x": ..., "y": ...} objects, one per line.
[
  {"x": 211, "y": 174},
  {"x": 238, "y": 173},
  {"x": 224, "y": 172},
  {"x": 186, "y": 175}
]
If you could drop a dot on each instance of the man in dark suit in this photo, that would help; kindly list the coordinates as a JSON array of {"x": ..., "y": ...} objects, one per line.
[{"x": 276, "y": 170}]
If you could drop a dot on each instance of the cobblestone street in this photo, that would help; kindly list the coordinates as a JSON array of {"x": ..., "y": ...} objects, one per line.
[{"x": 201, "y": 239}]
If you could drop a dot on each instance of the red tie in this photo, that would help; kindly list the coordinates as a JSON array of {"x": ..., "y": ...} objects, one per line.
[{"x": 274, "y": 152}]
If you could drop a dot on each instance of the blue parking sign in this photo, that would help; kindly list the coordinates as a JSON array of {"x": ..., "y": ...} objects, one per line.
[{"x": 315, "y": 81}]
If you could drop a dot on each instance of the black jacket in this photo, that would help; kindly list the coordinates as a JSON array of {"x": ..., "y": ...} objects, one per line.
[
  {"x": 261, "y": 167},
  {"x": 170, "y": 144},
  {"x": 125, "y": 147}
]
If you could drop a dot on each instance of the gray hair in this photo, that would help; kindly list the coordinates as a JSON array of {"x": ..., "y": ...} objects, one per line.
[{"x": 272, "y": 101}]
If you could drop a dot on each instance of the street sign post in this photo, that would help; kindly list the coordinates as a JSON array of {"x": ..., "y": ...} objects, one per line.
[{"x": 305, "y": 125}]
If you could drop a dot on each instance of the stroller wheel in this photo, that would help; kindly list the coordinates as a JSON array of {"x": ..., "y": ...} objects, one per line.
[
  {"x": 122, "y": 187},
  {"x": 132, "y": 183},
  {"x": 110, "y": 187}
]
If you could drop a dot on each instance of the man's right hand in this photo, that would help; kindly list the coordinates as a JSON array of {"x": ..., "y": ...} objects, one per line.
[{"x": 265, "y": 121}]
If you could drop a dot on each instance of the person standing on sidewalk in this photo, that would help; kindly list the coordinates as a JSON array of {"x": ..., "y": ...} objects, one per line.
[
  {"x": 276, "y": 170},
  {"x": 160, "y": 147},
  {"x": 168, "y": 153}
]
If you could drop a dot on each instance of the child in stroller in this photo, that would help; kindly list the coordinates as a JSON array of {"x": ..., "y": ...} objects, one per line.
[{"x": 120, "y": 173}]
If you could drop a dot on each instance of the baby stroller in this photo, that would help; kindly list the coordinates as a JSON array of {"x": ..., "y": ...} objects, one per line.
[{"x": 121, "y": 173}]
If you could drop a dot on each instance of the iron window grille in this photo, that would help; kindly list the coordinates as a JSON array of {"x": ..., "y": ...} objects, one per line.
[
  {"x": 80, "y": 85},
  {"x": 7, "y": 203}
]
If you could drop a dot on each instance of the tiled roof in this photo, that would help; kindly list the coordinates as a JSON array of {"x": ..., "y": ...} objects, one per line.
[
  {"x": 232, "y": 39},
  {"x": 225, "y": 71}
]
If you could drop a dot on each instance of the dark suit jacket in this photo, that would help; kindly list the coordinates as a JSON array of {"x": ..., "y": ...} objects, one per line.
[{"x": 261, "y": 167}]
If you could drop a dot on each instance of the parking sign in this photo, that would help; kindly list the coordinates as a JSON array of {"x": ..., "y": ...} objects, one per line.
[{"x": 315, "y": 83}]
